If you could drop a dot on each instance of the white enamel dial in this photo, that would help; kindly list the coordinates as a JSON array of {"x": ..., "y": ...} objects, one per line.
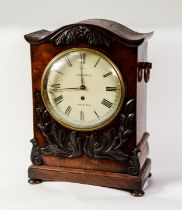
[{"x": 82, "y": 89}]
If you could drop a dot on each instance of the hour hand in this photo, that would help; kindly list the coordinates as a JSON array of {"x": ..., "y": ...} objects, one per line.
[{"x": 81, "y": 68}]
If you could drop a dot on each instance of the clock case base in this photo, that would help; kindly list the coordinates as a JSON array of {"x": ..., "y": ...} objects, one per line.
[{"x": 131, "y": 183}]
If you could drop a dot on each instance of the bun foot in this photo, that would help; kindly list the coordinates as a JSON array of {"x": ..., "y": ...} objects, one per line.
[
  {"x": 137, "y": 193},
  {"x": 34, "y": 181},
  {"x": 150, "y": 175}
]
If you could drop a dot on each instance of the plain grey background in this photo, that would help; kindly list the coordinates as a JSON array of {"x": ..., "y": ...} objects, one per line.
[
  {"x": 162, "y": 13},
  {"x": 17, "y": 18}
]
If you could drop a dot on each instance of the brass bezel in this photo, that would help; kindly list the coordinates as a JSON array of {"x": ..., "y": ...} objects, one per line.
[{"x": 105, "y": 122}]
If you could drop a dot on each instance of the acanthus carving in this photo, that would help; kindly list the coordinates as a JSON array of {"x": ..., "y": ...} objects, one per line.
[
  {"x": 58, "y": 141},
  {"x": 107, "y": 145},
  {"x": 134, "y": 165},
  {"x": 75, "y": 34},
  {"x": 110, "y": 143},
  {"x": 35, "y": 153},
  {"x": 63, "y": 145}
]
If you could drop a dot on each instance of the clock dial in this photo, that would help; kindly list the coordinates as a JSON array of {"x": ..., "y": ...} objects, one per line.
[{"x": 82, "y": 89}]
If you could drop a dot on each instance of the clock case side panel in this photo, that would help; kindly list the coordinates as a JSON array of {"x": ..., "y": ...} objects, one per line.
[{"x": 142, "y": 135}]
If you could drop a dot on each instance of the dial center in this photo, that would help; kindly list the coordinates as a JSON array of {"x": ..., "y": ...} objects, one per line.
[{"x": 82, "y": 87}]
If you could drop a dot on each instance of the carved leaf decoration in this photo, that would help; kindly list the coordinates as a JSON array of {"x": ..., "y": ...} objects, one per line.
[
  {"x": 134, "y": 165},
  {"x": 53, "y": 150},
  {"x": 112, "y": 138},
  {"x": 63, "y": 146},
  {"x": 46, "y": 118},
  {"x": 91, "y": 144},
  {"x": 75, "y": 144},
  {"x": 126, "y": 123},
  {"x": 43, "y": 118},
  {"x": 126, "y": 134},
  {"x": 56, "y": 147},
  {"x": 129, "y": 106},
  {"x": 129, "y": 120},
  {"x": 105, "y": 147},
  {"x": 59, "y": 142},
  {"x": 74, "y": 34},
  {"x": 122, "y": 120},
  {"x": 35, "y": 153},
  {"x": 58, "y": 134}
]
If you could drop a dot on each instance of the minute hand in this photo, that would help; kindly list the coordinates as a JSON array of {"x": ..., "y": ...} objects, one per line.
[{"x": 60, "y": 89}]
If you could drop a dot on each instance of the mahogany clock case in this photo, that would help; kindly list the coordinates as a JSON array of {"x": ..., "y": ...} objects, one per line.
[{"x": 116, "y": 155}]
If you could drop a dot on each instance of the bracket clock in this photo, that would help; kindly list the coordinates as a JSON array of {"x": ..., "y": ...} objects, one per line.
[{"x": 89, "y": 84}]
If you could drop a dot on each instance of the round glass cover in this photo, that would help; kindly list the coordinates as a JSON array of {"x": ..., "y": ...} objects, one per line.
[{"x": 82, "y": 89}]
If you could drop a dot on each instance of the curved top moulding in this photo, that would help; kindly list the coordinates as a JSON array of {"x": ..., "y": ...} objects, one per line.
[{"x": 94, "y": 31}]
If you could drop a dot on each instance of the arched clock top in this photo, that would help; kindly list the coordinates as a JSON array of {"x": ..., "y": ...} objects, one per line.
[{"x": 96, "y": 32}]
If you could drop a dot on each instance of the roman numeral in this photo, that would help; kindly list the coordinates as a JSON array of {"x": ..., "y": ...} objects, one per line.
[
  {"x": 82, "y": 115},
  {"x": 55, "y": 86},
  {"x": 68, "y": 110},
  {"x": 106, "y": 75},
  {"x": 106, "y": 103},
  {"x": 111, "y": 88},
  {"x": 96, "y": 114},
  {"x": 68, "y": 62},
  {"x": 83, "y": 57},
  {"x": 58, "y": 99},
  {"x": 97, "y": 62}
]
